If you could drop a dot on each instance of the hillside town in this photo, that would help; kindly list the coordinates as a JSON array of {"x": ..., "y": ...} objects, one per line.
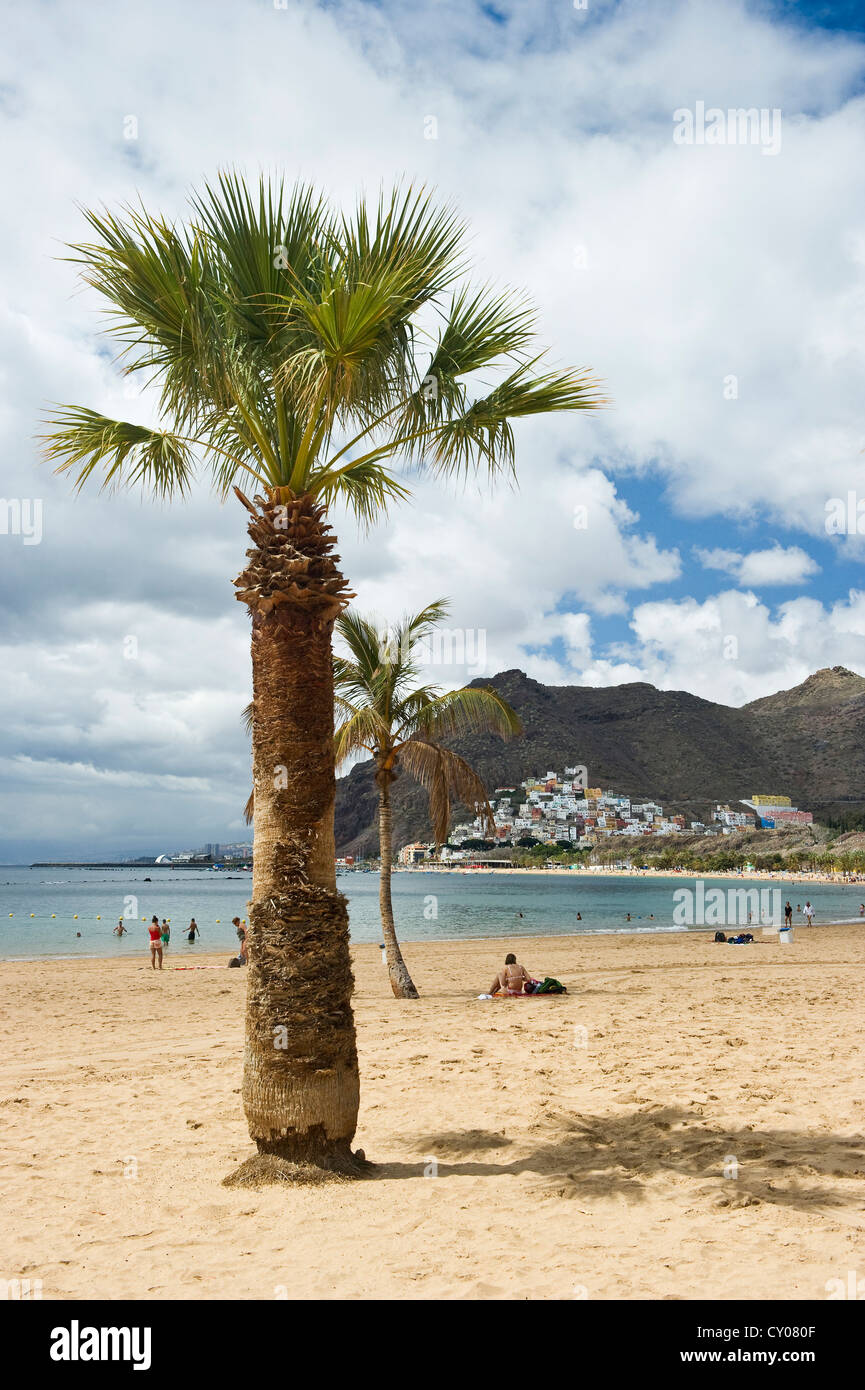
[{"x": 560, "y": 809}]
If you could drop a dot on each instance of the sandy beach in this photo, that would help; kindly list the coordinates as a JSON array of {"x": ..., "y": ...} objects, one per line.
[{"x": 582, "y": 1146}]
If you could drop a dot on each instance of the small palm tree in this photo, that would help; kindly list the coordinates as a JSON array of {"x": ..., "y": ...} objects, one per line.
[
  {"x": 381, "y": 710},
  {"x": 302, "y": 352}
]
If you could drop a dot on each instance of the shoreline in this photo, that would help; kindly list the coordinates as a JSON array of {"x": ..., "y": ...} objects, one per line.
[
  {"x": 761, "y": 875},
  {"x": 625, "y": 933}
]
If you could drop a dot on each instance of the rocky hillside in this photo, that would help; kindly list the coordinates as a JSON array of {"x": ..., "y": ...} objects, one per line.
[{"x": 665, "y": 744}]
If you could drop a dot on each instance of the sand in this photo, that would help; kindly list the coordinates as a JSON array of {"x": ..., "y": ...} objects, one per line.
[{"x": 546, "y": 1149}]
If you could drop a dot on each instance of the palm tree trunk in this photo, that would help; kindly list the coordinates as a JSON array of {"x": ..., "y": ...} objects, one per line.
[
  {"x": 400, "y": 980},
  {"x": 300, "y": 1080}
]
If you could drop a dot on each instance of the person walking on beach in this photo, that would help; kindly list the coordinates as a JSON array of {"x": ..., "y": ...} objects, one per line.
[
  {"x": 241, "y": 930},
  {"x": 191, "y": 930},
  {"x": 788, "y": 914},
  {"x": 165, "y": 933},
  {"x": 155, "y": 942},
  {"x": 809, "y": 914}
]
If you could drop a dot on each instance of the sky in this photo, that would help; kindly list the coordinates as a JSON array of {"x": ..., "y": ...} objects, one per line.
[{"x": 702, "y": 533}]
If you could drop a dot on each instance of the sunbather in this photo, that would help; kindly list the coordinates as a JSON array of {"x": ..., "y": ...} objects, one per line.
[{"x": 513, "y": 979}]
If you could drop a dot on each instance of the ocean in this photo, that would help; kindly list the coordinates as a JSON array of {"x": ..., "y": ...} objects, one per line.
[{"x": 43, "y": 910}]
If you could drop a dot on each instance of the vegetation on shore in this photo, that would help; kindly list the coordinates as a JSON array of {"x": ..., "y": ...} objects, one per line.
[
  {"x": 384, "y": 711},
  {"x": 720, "y": 855}
]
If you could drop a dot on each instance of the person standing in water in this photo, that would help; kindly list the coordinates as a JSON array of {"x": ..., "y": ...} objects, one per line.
[
  {"x": 120, "y": 930},
  {"x": 155, "y": 942},
  {"x": 191, "y": 930},
  {"x": 165, "y": 933}
]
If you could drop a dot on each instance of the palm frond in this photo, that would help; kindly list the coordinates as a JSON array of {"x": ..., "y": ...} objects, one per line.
[
  {"x": 479, "y": 329},
  {"x": 125, "y": 454},
  {"x": 365, "y": 487},
  {"x": 481, "y": 435},
  {"x": 474, "y": 709},
  {"x": 417, "y": 626},
  {"x": 364, "y": 640},
  {"x": 413, "y": 245},
  {"x": 362, "y": 731},
  {"x": 446, "y": 777},
  {"x": 248, "y": 717}
]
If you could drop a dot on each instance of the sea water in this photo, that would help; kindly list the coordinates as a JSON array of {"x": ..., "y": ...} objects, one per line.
[{"x": 433, "y": 906}]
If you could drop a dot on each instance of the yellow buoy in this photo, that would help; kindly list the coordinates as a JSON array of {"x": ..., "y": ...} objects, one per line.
[
  {"x": 217, "y": 919},
  {"x": 32, "y": 914},
  {"x": 54, "y": 914},
  {"x": 99, "y": 919},
  {"x": 75, "y": 918},
  {"x": 11, "y": 914}
]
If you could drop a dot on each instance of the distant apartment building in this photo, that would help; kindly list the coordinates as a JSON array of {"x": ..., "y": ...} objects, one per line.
[
  {"x": 772, "y": 811},
  {"x": 413, "y": 854}
]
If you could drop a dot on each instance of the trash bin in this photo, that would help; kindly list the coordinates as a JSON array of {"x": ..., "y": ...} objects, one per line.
[{"x": 785, "y": 936}]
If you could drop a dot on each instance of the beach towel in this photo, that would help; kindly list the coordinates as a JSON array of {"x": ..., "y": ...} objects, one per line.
[
  {"x": 547, "y": 986},
  {"x": 195, "y": 967}
]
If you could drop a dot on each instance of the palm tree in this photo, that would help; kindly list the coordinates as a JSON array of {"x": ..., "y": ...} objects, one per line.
[
  {"x": 283, "y": 340},
  {"x": 382, "y": 711}
]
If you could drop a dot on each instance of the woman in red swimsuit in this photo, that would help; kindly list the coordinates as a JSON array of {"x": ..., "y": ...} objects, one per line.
[{"x": 155, "y": 942}]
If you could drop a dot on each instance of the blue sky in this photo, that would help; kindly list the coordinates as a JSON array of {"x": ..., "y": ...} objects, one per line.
[{"x": 718, "y": 289}]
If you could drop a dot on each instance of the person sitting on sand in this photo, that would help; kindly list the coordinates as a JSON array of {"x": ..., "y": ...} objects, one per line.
[{"x": 511, "y": 980}]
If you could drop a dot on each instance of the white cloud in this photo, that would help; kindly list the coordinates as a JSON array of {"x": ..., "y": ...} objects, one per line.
[
  {"x": 761, "y": 568},
  {"x": 671, "y": 270}
]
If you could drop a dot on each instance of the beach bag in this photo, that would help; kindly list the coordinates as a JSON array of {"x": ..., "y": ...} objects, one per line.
[
  {"x": 719, "y": 936},
  {"x": 550, "y": 986}
]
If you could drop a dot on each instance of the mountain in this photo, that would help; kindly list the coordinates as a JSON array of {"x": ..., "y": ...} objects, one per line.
[{"x": 667, "y": 745}]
